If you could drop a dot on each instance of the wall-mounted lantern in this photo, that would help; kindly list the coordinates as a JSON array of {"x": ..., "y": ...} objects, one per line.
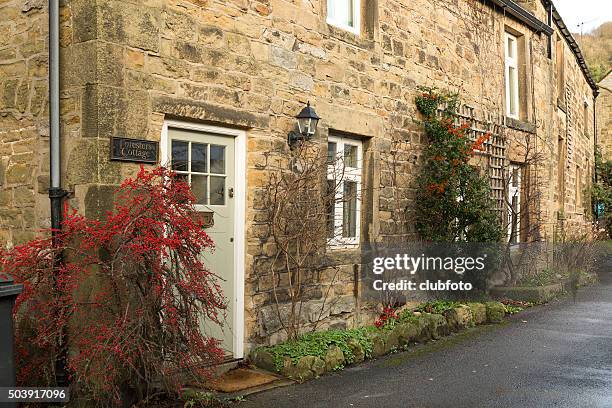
[{"x": 307, "y": 125}]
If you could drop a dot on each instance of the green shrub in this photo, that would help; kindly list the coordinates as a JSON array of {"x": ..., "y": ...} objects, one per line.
[
  {"x": 407, "y": 316},
  {"x": 511, "y": 309},
  {"x": 453, "y": 199},
  {"x": 601, "y": 192},
  {"x": 438, "y": 306}
]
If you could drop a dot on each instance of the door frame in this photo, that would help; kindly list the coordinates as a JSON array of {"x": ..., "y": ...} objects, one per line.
[{"x": 239, "y": 213}]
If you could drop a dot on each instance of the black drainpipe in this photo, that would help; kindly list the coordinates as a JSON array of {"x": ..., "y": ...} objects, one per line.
[
  {"x": 56, "y": 193},
  {"x": 550, "y": 24}
]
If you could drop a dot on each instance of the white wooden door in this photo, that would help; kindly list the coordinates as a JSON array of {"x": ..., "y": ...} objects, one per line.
[{"x": 207, "y": 161}]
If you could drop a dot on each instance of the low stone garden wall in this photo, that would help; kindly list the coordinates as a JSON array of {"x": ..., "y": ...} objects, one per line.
[
  {"x": 543, "y": 292},
  {"x": 316, "y": 353}
]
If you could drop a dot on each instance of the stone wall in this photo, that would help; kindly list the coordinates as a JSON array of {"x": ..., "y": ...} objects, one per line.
[
  {"x": 574, "y": 132},
  {"x": 127, "y": 65},
  {"x": 24, "y": 206},
  {"x": 604, "y": 113}
]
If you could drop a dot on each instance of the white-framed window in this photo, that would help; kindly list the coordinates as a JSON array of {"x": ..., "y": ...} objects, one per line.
[
  {"x": 344, "y": 14},
  {"x": 560, "y": 65},
  {"x": 514, "y": 203},
  {"x": 578, "y": 197},
  {"x": 344, "y": 168},
  {"x": 585, "y": 117},
  {"x": 512, "y": 76}
]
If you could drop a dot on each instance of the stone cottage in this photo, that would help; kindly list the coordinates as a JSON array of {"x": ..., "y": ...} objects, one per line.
[
  {"x": 217, "y": 83},
  {"x": 604, "y": 113}
]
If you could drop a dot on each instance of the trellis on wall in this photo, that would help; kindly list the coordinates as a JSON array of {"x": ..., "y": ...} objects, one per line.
[{"x": 494, "y": 149}]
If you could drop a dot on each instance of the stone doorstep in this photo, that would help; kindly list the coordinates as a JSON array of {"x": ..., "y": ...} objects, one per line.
[
  {"x": 225, "y": 366},
  {"x": 279, "y": 382}
]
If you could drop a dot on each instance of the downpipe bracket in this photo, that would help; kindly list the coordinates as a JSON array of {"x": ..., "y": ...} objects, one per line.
[{"x": 57, "y": 193}]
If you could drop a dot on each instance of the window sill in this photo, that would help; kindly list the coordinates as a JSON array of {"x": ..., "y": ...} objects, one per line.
[
  {"x": 342, "y": 247},
  {"x": 350, "y": 37},
  {"x": 520, "y": 125},
  {"x": 561, "y": 104},
  {"x": 339, "y": 26},
  {"x": 342, "y": 255}
]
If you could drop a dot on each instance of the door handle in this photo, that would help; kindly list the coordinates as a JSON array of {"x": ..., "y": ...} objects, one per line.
[{"x": 230, "y": 192}]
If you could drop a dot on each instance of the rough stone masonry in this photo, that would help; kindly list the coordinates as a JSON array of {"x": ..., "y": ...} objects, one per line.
[
  {"x": 128, "y": 65},
  {"x": 604, "y": 113}
]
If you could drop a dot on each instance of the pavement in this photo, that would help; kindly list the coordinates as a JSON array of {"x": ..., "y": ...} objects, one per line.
[{"x": 555, "y": 355}]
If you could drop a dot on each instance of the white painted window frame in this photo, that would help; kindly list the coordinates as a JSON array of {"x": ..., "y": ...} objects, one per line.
[
  {"x": 189, "y": 172},
  {"x": 514, "y": 192},
  {"x": 338, "y": 170},
  {"x": 334, "y": 21},
  {"x": 586, "y": 117},
  {"x": 239, "y": 213},
  {"x": 579, "y": 201},
  {"x": 511, "y": 62}
]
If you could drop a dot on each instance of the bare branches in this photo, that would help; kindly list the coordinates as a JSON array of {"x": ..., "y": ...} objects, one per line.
[{"x": 298, "y": 200}]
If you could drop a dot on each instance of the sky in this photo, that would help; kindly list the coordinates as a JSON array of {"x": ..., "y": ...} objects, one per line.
[{"x": 592, "y": 13}]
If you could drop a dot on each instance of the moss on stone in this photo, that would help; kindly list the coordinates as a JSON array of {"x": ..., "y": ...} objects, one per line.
[
  {"x": 479, "y": 312},
  {"x": 495, "y": 312}
]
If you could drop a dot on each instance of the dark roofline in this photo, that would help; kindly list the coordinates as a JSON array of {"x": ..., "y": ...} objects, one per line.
[
  {"x": 572, "y": 43},
  {"x": 524, "y": 16}
]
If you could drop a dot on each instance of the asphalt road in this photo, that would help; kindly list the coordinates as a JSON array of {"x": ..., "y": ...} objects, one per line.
[{"x": 557, "y": 355}]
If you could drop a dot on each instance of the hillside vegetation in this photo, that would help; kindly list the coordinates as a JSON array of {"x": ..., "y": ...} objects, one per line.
[{"x": 597, "y": 49}]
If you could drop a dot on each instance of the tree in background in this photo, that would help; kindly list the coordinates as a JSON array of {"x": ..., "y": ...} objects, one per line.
[{"x": 597, "y": 49}]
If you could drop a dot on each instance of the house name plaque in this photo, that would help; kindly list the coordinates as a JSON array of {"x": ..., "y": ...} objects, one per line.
[{"x": 134, "y": 150}]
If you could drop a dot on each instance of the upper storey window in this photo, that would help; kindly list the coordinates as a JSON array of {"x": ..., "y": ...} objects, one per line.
[
  {"x": 512, "y": 76},
  {"x": 344, "y": 14},
  {"x": 560, "y": 63}
]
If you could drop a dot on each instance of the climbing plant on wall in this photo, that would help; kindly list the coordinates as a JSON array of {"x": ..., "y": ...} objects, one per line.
[{"x": 454, "y": 199}]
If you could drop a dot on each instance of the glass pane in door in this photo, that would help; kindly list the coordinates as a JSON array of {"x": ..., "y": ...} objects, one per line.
[
  {"x": 199, "y": 186},
  {"x": 217, "y": 159},
  {"x": 217, "y": 190},
  {"x": 199, "y": 157},
  {"x": 179, "y": 155}
]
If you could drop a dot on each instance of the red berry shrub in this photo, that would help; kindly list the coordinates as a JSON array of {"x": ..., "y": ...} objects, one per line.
[
  {"x": 387, "y": 319},
  {"x": 129, "y": 295}
]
